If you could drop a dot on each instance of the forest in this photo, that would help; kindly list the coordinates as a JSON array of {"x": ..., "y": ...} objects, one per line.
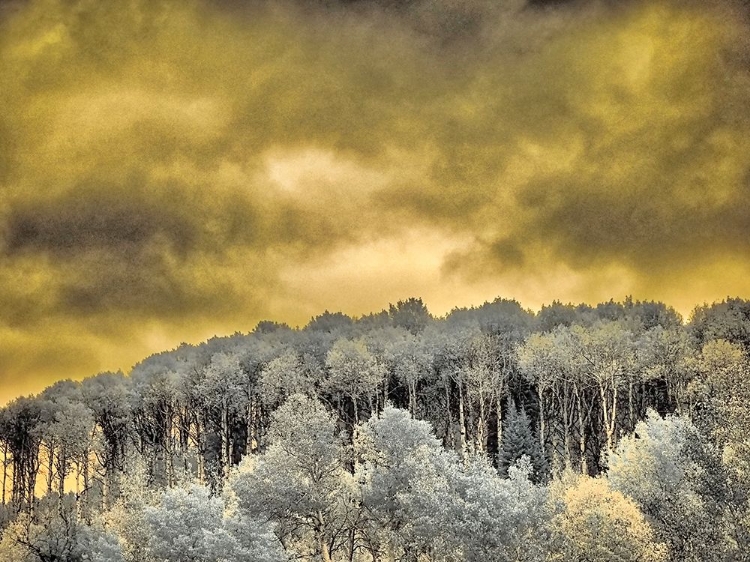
[{"x": 615, "y": 432}]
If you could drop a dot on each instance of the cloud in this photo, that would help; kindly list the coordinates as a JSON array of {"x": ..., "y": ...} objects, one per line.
[
  {"x": 187, "y": 168},
  {"x": 624, "y": 146}
]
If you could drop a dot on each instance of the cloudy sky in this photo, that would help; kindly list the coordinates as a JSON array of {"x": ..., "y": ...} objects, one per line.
[{"x": 175, "y": 169}]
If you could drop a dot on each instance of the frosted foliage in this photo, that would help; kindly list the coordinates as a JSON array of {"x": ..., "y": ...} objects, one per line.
[
  {"x": 676, "y": 480},
  {"x": 496, "y": 518},
  {"x": 404, "y": 484},
  {"x": 52, "y": 537},
  {"x": 303, "y": 429},
  {"x": 410, "y": 357},
  {"x": 422, "y": 499},
  {"x": 331, "y": 471},
  {"x": 386, "y": 440},
  {"x": 722, "y": 388},
  {"x": 189, "y": 526},
  {"x": 223, "y": 380},
  {"x": 103, "y": 546},
  {"x": 599, "y": 524},
  {"x": 127, "y": 516},
  {"x": 649, "y": 464},
  {"x": 299, "y": 483},
  {"x": 284, "y": 376},
  {"x": 10, "y": 547},
  {"x": 353, "y": 369},
  {"x": 181, "y": 527},
  {"x": 71, "y": 426}
]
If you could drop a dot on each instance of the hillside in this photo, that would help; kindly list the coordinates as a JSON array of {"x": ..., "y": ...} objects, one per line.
[{"x": 616, "y": 431}]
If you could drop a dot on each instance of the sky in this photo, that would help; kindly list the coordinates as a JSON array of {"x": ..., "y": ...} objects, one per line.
[{"x": 175, "y": 169}]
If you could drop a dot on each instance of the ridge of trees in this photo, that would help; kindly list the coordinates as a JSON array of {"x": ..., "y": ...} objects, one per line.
[{"x": 546, "y": 403}]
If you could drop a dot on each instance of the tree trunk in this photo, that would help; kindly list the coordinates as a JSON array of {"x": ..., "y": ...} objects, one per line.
[
  {"x": 461, "y": 420},
  {"x": 351, "y": 540},
  {"x": 631, "y": 405},
  {"x": 557, "y": 461},
  {"x": 79, "y": 499},
  {"x": 613, "y": 419},
  {"x": 16, "y": 490},
  {"x": 482, "y": 427},
  {"x": 378, "y": 407},
  {"x": 450, "y": 433},
  {"x": 170, "y": 464},
  {"x": 541, "y": 423},
  {"x": 325, "y": 552},
  {"x": 413, "y": 398},
  {"x": 50, "y": 470},
  {"x": 201, "y": 450},
  {"x": 224, "y": 439},
  {"x": 5, "y": 471},
  {"x": 33, "y": 467},
  {"x": 609, "y": 414},
  {"x": 61, "y": 462},
  {"x": 249, "y": 427},
  {"x": 581, "y": 432},
  {"x": 566, "y": 426},
  {"x": 105, "y": 486},
  {"x": 79, "y": 493},
  {"x": 499, "y": 409},
  {"x": 86, "y": 483}
]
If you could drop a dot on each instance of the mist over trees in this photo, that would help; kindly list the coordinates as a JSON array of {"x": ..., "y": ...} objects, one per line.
[{"x": 607, "y": 432}]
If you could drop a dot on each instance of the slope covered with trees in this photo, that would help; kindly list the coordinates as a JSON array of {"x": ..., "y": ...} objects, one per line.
[{"x": 608, "y": 432}]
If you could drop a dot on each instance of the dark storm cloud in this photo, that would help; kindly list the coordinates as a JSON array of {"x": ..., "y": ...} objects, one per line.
[
  {"x": 631, "y": 155},
  {"x": 89, "y": 219}
]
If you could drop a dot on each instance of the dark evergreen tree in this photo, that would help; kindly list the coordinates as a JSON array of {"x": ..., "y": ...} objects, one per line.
[
  {"x": 411, "y": 314},
  {"x": 518, "y": 440},
  {"x": 726, "y": 320}
]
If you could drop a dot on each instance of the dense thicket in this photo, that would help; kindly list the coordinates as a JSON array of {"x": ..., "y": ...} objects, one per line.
[{"x": 614, "y": 432}]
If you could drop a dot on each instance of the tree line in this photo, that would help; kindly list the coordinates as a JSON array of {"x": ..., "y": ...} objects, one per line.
[{"x": 330, "y": 441}]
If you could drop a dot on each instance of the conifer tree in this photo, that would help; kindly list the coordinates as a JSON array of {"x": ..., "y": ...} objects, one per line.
[{"x": 519, "y": 440}]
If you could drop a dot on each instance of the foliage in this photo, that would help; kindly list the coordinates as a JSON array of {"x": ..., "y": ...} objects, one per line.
[
  {"x": 519, "y": 441},
  {"x": 677, "y": 480},
  {"x": 399, "y": 436},
  {"x": 188, "y": 525},
  {"x": 599, "y": 524}
]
